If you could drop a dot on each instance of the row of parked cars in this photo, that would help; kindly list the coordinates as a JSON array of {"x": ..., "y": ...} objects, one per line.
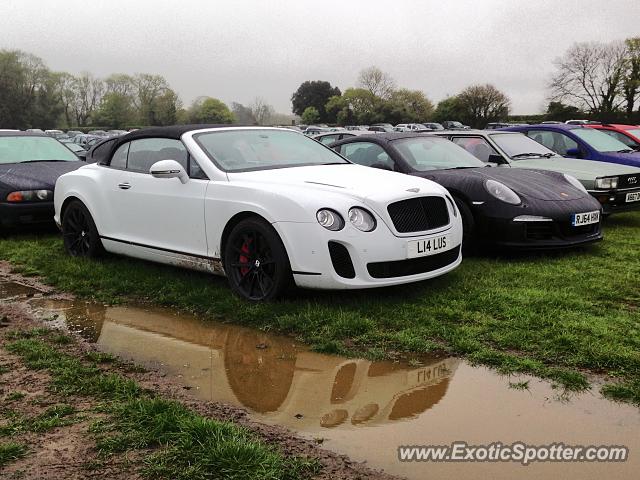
[{"x": 268, "y": 207}]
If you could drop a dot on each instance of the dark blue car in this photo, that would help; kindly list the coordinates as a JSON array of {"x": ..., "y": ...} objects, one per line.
[{"x": 578, "y": 141}]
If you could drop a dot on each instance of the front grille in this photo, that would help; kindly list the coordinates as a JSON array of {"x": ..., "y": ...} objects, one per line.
[
  {"x": 413, "y": 266},
  {"x": 419, "y": 214},
  {"x": 341, "y": 260},
  {"x": 539, "y": 230},
  {"x": 629, "y": 181},
  {"x": 550, "y": 230}
]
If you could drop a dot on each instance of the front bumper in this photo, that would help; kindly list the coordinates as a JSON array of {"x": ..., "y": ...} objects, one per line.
[
  {"x": 378, "y": 253},
  {"x": 14, "y": 214},
  {"x": 554, "y": 234},
  {"x": 614, "y": 201}
]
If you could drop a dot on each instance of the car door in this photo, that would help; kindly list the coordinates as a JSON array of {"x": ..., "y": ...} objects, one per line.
[
  {"x": 558, "y": 142},
  {"x": 161, "y": 213}
]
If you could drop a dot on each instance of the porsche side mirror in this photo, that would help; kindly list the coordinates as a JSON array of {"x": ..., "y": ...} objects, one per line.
[
  {"x": 495, "y": 159},
  {"x": 169, "y": 169}
]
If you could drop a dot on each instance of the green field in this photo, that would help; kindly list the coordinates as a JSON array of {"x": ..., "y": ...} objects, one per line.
[{"x": 559, "y": 316}]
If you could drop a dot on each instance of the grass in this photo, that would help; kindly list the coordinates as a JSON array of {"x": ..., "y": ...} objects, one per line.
[
  {"x": 178, "y": 443},
  {"x": 11, "y": 451},
  {"x": 557, "y": 315}
]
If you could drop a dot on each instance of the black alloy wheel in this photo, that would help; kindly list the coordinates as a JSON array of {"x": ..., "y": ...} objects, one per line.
[
  {"x": 81, "y": 238},
  {"x": 255, "y": 261}
]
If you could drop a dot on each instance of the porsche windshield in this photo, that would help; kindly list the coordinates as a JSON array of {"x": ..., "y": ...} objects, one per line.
[
  {"x": 433, "y": 153},
  {"x": 257, "y": 149},
  {"x": 22, "y": 149}
]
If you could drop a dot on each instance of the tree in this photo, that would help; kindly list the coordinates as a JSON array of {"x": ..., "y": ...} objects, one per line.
[
  {"x": 561, "y": 112},
  {"x": 310, "y": 116},
  {"x": 356, "y": 106},
  {"x": 261, "y": 111},
  {"x": 631, "y": 82},
  {"x": 88, "y": 94},
  {"x": 408, "y": 106},
  {"x": 591, "y": 76},
  {"x": 377, "y": 82},
  {"x": 448, "y": 109},
  {"x": 314, "y": 94},
  {"x": 481, "y": 104},
  {"x": 209, "y": 110},
  {"x": 244, "y": 115},
  {"x": 116, "y": 110}
]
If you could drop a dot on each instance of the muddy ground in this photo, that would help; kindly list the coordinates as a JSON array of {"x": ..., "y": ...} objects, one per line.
[{"x": 68, "y": 452}]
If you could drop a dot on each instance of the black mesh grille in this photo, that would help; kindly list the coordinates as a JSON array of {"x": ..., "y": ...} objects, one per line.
[
  {"x": 550, "y": 230},
  {"x": 567, "y": 230},
  {"x": 419, "y": 214},
  {"x": 539, "y": 230},
  {"x": 413, "y": 266},
  {"x": 341, "y": 260},
  {"x": 629, "y": 181}
]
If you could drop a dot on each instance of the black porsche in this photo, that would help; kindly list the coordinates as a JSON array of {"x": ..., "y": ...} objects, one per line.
[
  {"x": 30, "y": 164},
  {"x": 500, "y": 206}
]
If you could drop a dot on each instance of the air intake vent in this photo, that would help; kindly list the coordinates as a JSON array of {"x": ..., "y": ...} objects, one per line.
[{"x": 341, "y": 260}]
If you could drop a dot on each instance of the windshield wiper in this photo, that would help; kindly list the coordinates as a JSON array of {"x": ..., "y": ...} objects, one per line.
[
  {"x": 533, "y": 154},
  {"x": 37, "y": 161},
  {"x": 455, "y": 168},
  {"x": 625, "y": 150}
]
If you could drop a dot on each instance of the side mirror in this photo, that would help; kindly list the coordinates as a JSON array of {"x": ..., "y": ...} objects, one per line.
[
  {"x": 169, "y": 169},
  {"x": 573, "y": 152},
  {"x": 497, "y": 159}
]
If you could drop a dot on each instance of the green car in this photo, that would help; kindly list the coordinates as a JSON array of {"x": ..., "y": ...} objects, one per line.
[{"x": 615, "y": 186}]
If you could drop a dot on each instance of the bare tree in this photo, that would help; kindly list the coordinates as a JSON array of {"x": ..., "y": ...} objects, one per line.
[
  {"x": 377, "y": 82},
  {"x": 89, "y": 91},
  {"x": 261, "y": 111},
  {"x": 591, "y": 75},
  {"x": 481, "y": 104},
  {"x": 120, "y": 83},
  {"x": 631, "y": 85}
]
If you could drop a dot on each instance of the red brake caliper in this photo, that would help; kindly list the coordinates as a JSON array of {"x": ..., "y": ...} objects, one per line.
[{"x": 244, "y": 259}]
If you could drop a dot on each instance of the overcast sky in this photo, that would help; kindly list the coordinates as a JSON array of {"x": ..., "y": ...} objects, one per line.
[{"x": 238, "y": 49}]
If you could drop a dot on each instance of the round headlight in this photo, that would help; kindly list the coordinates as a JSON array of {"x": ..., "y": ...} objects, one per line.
[
  {"x": 42, "y": 194},
  {"x": 575, "y": 182},
  {"x": 502, "y": 192},
  {"x": 329, "y": 219},
  {"x": 361, "y": 219}
]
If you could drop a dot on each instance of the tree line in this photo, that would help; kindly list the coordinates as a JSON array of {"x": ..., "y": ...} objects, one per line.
[
  {"x": 33, "y": 96},
  {"x": 376, "y": 99}
]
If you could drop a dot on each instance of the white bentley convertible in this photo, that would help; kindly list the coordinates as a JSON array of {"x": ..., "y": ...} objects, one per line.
[{"x": 261, "y": 205}]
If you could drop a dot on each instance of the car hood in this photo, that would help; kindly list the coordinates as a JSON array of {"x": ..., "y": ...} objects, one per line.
[
  {"x": 34, "y": 175},
  {"x": 527, "y": 183},
  {"x": 364, "y": 183},
  {"x": 583, "y": 170}
]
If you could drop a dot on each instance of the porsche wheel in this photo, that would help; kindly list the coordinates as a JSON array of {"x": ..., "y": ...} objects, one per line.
[
  {"x": 81, "y": 238},
  {"x": 255, "y": 261}
]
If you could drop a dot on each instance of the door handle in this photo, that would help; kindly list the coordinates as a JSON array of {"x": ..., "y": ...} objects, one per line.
[{"x": 124, "y": 185}]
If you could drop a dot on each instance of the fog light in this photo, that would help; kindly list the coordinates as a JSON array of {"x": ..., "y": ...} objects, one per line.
[{"x": 532, "y": 218}]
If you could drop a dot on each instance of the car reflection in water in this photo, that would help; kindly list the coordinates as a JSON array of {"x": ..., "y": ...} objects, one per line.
[{"x": 276, "y": 378}]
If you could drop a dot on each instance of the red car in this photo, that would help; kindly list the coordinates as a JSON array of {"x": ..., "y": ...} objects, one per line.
[{"x": 627, "y": 134}]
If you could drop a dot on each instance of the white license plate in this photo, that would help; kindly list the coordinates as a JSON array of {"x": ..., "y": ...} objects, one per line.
[
  {"x": 429, "y": 246},
  {"x": 633, "y": 197},
  {"x": 578, "y": 219}
]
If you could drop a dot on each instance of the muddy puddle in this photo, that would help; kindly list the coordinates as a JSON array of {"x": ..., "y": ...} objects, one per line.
[{"x": 361, "y": 408}]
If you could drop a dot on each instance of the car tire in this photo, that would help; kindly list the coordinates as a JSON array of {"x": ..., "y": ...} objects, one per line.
[
  {"x": 256, "y": 262},
  {"x": 79, "y": 232},
  {"x": 468, "y": 224}
]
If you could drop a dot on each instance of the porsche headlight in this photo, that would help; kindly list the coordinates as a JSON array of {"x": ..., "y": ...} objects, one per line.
[
  {"x": 30, "y": 196},
  {"x": 361, "y": 219},
  {"x": 330, "y": 219},
  {"x": 502, "y": 192},
  {"x": 606, "y": 183},
  {"x": 575, "y": 182}
]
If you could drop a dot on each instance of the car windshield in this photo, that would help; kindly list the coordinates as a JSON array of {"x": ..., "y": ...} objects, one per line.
[
  {"x": 432, "y": 153},
  {"x": 33, "y": 149},
  {"x": 600, "y": 141},
  {"x": 260, "y": 149},
  {"x": 517, "y": 144}
]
